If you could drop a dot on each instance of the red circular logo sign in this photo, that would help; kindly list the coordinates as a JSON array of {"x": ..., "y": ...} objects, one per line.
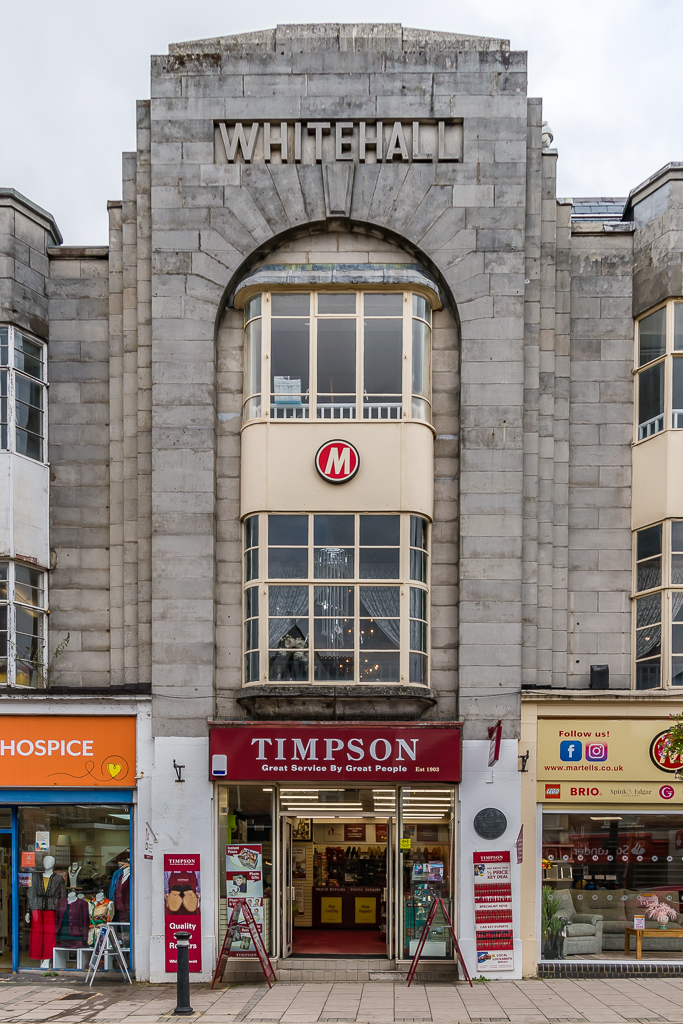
[
  {"x": 666, "y": 793},
  {"x": 660, "y": 757},
  {"x": 337, "y": 461}
]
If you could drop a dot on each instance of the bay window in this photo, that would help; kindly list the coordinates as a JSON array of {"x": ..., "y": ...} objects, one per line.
[
  {"x": 659, "y": 371},
  {"x": 343, "y": 598},
  {"x": 658, "y": 605},
  {"x": 23, "y": 403},
  {"x": 22, "y": 624},
  {"x": 337, "y": 355}
]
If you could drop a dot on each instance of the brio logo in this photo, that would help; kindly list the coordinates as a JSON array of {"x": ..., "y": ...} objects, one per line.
[
  {"x": 584, "y": 791},
  {"x": 552, "y": 791},
  {"x": 596, "y": 751},
  {"x": 337, "y": 461}
]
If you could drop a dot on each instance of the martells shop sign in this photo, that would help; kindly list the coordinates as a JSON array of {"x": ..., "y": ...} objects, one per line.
[
  {"x": 354, "y": 753},
  {"x": 316, "y": 142}
]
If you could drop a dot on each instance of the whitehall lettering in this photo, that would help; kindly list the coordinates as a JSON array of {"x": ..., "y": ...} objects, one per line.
[{"x": 315, "y": 142}]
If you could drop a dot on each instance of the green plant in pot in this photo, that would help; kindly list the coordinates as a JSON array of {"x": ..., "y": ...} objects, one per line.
[{"x": 552, "y": 924}]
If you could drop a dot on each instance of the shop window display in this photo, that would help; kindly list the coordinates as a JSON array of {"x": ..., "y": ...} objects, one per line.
[
  {"x": 426, "y": 830},
  {"x": 614, "y": 866},
  {"x": 74, "y": 875},
  {"x": 245, "y": 857}
]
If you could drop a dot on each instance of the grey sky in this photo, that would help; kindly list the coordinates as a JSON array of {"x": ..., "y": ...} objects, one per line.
[{"x": 608, "y": 72}]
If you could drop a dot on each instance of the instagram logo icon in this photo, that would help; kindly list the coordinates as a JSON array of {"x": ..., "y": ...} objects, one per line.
[{"x": 596, "y": 751}]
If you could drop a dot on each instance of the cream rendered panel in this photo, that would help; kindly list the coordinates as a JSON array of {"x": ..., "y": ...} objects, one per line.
[
  {"x": 396, "y": 468},
  {"x": 24, "y": 508},
  {"x": 657, "y": 481}
]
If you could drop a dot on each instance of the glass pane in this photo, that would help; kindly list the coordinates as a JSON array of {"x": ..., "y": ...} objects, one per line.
[
  {"x": 677, "y": 569},
  {"x": 648, "y": 610},
  {"x": 379, "y": 564},
  {"x": 677, "y": 671},
  {"x": 649, "y": 574},
  {"x": 288, "y": 601},
  {"x": 331, "y": 667},
  {"x": 290, "y": 304},
  {"x": 250, "y": 602},
  {"x": 678, "y": 326},
  {"x": 336, "y": 302},
  {"x": 288, "y": 529},
  {"x": 418, "y": 565},
  {"x": 380, "y": 531},
  {"x": 648, "y": 642},
  {"x": 251, "y": 667},
  {"x": 288, "y": 665},
  {"x": 288, "y": 563},
  {"x": 418, "y": 635},
  {"x": 652, "y": 336},
  {"x": 251, "y": 635},
  {"x": 383, "y": 358},
  {"x": 418, "y": 668},
  {"x": 288, "y": 634},
  {"x": 418, "y": 532},
  {"x": 649, "y": 542},
  {"x": 422, "y": 308},
  {"x": 252, "y": 359},
  {"x": 426, "y": 821},
  {"x": 30, "y": 445},
  {"x": 677, "y": 639},
  {"x": 337, "y": 530},
  {"x": 333, "y": 563},
  {"x": 336, "y": 361},
  {"x": 390, "y": 304},
  {"x": 289, "y": 351},
  {"x": 4, "y": 345},
  {"x": 244, "y": 817},
  {"x": 379, "y": 667},
  {"x": 251, "y": 532},
  {"x": 677, "y": 393},
  {"x": 333, "y": 634},
  {"x": 28, "y": 356},
  {"x": 252, "y": 307},
  {"x": 333, "y": 602},
  {"x": 677, "y": 535},
  {"x": 421, "y": 345},
  {"x": 651, "y": 400},
  {"x": 28, "y": 585},
  {"x": 4, "y": 573},
  {"x": 648, "y": 675},
  {"x": 379, "y": 634},
  {"x": 418, "y": 603},
  {"x": 90, "y": 847},
  {"x": 380, "y": 602},
  {"x": 251, "y": 565}
]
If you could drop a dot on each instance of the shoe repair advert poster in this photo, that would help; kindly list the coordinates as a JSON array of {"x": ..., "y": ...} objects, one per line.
[
  {"x": 183, "y": 907},
  {"x": 493, "y": 910},
  {"x": 244, "y": 881}
]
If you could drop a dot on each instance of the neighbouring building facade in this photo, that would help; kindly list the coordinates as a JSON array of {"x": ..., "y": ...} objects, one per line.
[{"x": 341, "y": 527}]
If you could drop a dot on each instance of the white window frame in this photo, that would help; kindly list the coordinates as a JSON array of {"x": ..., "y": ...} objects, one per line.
[
  {"x": 12, "y": 604},
  {"x": 13, "y": 372},
  {"x": 672, "y": 419}
]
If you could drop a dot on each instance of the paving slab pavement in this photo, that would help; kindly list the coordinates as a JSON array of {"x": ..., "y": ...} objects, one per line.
[{"x": 533, "y": 1001}]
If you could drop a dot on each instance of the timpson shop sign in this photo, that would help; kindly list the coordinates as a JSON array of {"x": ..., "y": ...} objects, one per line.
[
  {"x": 316, "y": 142},
  {"x": 353, "y": 752},
  {"x": 593, "y": 760}
]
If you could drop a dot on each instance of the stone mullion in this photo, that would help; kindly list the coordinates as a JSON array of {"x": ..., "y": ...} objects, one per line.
[
  {"x": 546, "y": 421},
  {"x": 130, "y": 425},
  {"x": 531, "y": 357},
  {"x": 116, "y": 442},
  {"x": 561, "y": 483},
  {"x": 144, "y": 350}
]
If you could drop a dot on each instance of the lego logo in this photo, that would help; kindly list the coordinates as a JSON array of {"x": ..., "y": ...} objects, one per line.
[
  {"x": 552, "y": 792},
  {"x": 337, "y": 461}
]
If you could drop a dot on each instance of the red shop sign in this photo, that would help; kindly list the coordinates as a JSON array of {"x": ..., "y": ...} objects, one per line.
[
  {"x": 337, "y": 461},
  {"x": 354, "y": 752}
]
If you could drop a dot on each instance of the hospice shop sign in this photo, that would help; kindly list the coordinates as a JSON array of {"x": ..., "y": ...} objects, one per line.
[
  {"x": 353, "y": 752},
  {"x": 67, "y": 750}
]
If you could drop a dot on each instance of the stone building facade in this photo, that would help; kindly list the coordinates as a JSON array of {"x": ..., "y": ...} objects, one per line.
[{"x": 338, "y": 160}]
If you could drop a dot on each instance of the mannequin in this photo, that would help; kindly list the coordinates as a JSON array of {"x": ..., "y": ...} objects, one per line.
[
  {"x": 72, "y": 920},
  {"x": 46, "y": 892},
  {"x": 74, "y": 872},
  {"x": 119, "y": 889},
  {"x": 101, "y": 912}
]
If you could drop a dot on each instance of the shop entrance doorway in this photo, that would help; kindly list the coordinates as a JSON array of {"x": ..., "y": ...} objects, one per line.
[{"x": 337, "y": 869}]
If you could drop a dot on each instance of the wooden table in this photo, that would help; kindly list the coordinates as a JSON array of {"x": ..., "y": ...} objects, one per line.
[{"x": 669, "y": 933}]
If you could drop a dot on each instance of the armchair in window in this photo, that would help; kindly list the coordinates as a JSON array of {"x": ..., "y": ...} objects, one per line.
[{"x": 583, "y": 932}]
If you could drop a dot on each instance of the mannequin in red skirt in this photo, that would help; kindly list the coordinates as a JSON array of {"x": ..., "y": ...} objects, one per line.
[{"x": 46, "y": 891}]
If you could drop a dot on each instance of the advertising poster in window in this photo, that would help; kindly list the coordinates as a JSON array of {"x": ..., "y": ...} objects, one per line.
[
  {"x": 244, "y": 882},
  {"x": 182, "y": 899},
  {"x": 493, "y": 910}
]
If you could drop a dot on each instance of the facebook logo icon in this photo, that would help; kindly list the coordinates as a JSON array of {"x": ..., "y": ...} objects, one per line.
[{"x": 570, "y": 750}]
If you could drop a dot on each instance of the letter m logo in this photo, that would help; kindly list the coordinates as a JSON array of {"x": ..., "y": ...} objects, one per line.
[{"x": 338, "y": 462}]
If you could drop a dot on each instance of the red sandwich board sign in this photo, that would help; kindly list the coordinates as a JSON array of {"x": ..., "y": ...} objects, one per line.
[
  {"x": 233, "y": 932},
  {"x": 337, "y": 461}
]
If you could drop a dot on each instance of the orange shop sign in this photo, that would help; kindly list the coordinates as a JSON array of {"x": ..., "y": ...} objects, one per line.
[{"x": 67, "y": 750}]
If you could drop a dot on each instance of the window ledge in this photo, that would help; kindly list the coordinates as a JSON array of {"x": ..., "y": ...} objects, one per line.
[{"x": 336, "y": 702}]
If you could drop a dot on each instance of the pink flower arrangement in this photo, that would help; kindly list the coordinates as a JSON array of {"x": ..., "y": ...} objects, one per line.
[{"x": 659, "y": 912}]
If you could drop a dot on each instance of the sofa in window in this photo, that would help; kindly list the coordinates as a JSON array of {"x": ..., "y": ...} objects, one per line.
[
  {"x": 617, "y": 908},
  {"x": 583, "y": 933}
]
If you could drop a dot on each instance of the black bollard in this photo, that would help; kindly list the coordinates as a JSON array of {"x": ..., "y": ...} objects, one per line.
[{"x": 182, "y": 942}]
